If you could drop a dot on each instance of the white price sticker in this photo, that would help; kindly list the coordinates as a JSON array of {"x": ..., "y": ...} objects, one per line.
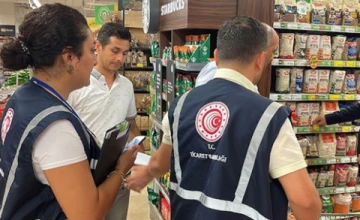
[
  {"x": 296, "y": 97},
  {"x": 357, "y": 128},
  {"x": 292, "y": 26},
  {"x": 336, "y": 28},
  {"x": 306, "y": 26},
  {"x": 288, "y": 62},
  {"x": 287, "y": 97},
  {"x": 339, "y": 190},
  {"x": 345, "y": 160},
  {"x": 275, "y": 62},
  {"x": 331, "y": 161},
  {"x": 350, "y": 189},
  {"x": 354, "y": 159},
  {"x": 277, "y": 25},
  {"x": 302, "y": 63},
  {"x": 358, "y": 97},
  {"x": 350, "y": 30},
  {"x": 274, "y": 97}
]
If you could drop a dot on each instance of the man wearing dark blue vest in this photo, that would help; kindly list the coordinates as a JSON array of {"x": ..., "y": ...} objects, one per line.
[{"x": 233, "y": 152}]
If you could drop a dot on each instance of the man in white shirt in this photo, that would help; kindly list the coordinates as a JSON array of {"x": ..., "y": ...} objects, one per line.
[
  {"x": 286, "y": 159},
  {"x": 109, "y": 99}
]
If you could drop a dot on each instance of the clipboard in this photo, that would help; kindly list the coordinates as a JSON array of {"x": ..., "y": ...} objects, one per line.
[{"x": 113, "y": 146}]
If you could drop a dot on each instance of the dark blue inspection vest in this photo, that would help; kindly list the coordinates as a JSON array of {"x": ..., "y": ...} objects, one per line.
[
  {"x": 222, "y": 137},
  {"x": 28, "y": 113}
]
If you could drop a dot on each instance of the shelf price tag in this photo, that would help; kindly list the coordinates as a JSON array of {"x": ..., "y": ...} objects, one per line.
[
  {"x": 339, "y": 190},
  {"x": 302, "y": 63},
  {"x": 350, "y": 63},
  {"x": 336, "y": 28},
  {"x": 334, "y": 97},
  {"x": 331, "y": 161},
  {"x": 356, "y": 128},
  {"x": 292, "y": 25},
  {"x": 345, "y": 160},
  {"x": 275, "y": 62},
  {"x": 346, "y": 129},
  {"x": 354, "y": 159},
  {"x": 311, "y": 97},
  {"x": 277, "y": 25},
  {"x": 349, "y": 97},
  {"x": 288, "y": 62},
  {"x": 306, "y": 26},
  {"x": 350, "y": 29},
  {"x": 313, "y": 62},
  {"x": 296, "y": 97},
  {"x": 322, "y": 97},
  {"x": 338, "y": 63},
  {"x": 350, "y": 189}
]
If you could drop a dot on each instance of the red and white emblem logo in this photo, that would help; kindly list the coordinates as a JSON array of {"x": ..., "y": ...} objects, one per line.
[
  {"x": 6, "y": 123},
  {"x": 211, "y": 121}
]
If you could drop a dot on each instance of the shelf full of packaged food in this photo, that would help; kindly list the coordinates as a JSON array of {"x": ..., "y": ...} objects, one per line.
[
  {"x": 162, "y": 190},
  {"x": 314, "y": 97},
  {"x": 338, "y": 190},
  {"x": 326, "y": 129},
  {"x": 316, "y": 27},
  {"x": 156, "y": 122},
  {"x": 320, "y": 63},
  {"x": 331, "y": 160}
]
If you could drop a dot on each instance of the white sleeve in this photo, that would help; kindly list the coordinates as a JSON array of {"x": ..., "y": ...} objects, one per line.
[
  {"x": 286, "y": 155},
  {"x": 73, "y": 98},
  {"x": 131, "y": 112},
  {"x": 166, "y": 129},
  {"x": 58, "y": 145}
]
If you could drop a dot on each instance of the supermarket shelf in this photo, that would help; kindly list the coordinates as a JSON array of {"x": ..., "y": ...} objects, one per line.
[
  {"x": 155, "y": 213},
  {"x": 162, "y": 190},
  {"x": 316, "y": 27},
  {"x": 196, "y": 67},
  {"x": 156, "y": 122},
  {"x": 314, "y": 97},
  {"x": 141, "y": 91},
  {"x": 333, "y": 160},
  {"x": 326, "y": 129},
  {"x": 321, "y": 63},
  {"x": 338, "y": 190},
  {"x": 140, "y": 48}
]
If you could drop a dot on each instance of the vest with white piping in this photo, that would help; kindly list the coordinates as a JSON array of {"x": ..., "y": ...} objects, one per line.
[
  {"x": 22, "y": 196},
  {"x": 222, "y": 137}
]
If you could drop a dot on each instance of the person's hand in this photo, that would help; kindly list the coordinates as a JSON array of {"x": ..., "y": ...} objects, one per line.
[
  {"x": 139, "y": 178},
  {"x": 126, "y": 160},
  {"x": 320, "y": 120}
]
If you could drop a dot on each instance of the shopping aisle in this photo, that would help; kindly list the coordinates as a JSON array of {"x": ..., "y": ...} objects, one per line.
[{"x": 139, "y": 206}]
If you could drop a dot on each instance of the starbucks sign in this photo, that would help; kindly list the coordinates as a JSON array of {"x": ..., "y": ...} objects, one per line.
[{"x": 102, "y": 12}]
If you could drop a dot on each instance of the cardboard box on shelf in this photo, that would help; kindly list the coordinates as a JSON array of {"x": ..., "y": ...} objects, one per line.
[{"x": 144, "y": 122}]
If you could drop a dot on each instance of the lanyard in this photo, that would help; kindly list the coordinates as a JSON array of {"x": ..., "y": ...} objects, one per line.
[{"x": 51, "y": 89}]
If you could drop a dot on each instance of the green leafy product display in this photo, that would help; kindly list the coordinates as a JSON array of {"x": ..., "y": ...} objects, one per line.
[
  {"x": 155, "y": 49},
  {"x": 327, "y": 206},
  {"x": 23, "y": 77},
  {"x": 178, "y": 81},
  {"x": 186, "y": 85}
]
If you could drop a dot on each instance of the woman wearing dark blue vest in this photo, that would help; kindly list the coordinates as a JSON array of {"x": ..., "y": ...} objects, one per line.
[{"x": 47, "y": 154}]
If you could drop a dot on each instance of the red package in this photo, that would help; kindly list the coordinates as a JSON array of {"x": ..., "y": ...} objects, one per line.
[
  {"x": 341, "y": 145},
  {"x": 341, "y": 174}
]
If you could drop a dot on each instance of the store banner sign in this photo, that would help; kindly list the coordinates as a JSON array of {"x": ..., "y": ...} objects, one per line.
[
  {"x": 173, "y": 6},
  {"x": 103, "y": 12},
  {"x": 7, "y": 30}
]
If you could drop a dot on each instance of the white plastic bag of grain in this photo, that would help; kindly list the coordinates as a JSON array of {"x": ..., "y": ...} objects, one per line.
[
  {"x": 335, "y": 12},
  {"x": 303, "y": 114},
  {"x": 337, "y": 78},
  {"x": 296, "y": 80},
  {"x": 282, "y": 80},
  {"x": 325, "y": 48},
  {"x": 327, "y": 145},
  {"x": 352, "y": 175},
  {"x": 349, "y": 83},
  {"x": 350, "y": 15},
  {"x": 287, "y": 46},
  {"x": 351, "y": 145},
  {"x": 312, "y": 46},
  {"x": 338, "y": 47},
  {"x": 300, "y": 46},
  {"x": 311, "y": 80},
  {"x": 324, "y": 81},
  {"x": 319, "y": 11},
  {"x": 314, "y": 111}
]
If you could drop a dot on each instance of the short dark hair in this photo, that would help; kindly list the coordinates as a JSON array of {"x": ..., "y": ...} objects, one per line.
[
  {"x": 44, "y": 34},
  {"x": 241, "y": 38},
  {"x": 113, "y": 30}
]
